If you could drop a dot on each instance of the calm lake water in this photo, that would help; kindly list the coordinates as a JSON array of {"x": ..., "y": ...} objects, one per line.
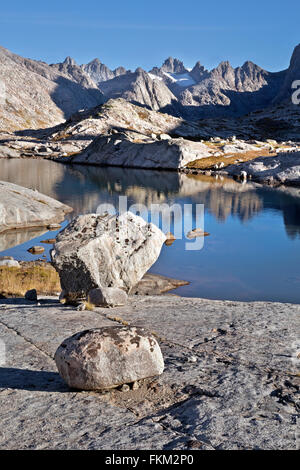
[{"x": 252, "y": 253}]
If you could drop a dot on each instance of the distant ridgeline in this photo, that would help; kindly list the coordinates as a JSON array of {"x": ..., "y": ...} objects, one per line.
[{"x": 34, "y": 94}]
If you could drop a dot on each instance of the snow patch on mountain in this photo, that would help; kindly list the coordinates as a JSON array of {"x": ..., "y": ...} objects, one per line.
[
  {"x": 181, "y": 79},
  {"x": 154, "y": 77}
]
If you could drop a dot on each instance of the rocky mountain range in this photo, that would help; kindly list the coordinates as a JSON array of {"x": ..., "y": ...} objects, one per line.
[
  {"x": 197, "y": 93},
  {"x": 37, "y": 95}
]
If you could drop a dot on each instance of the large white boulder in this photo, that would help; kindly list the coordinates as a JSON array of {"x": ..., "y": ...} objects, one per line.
[
  {"x": 129, "y": 149},
  {"x": 105, "y": 251},
  {"x": 107, "y": 357}
]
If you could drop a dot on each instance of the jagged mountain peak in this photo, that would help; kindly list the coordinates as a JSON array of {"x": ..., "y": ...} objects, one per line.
[
  {"x": 295, "y": 59},
  {"x": 62, "y": 89},
  {"x": 292, "y": 74},
  {"x": 95, "y": 61},
  {"x": 140, "y": 70},
  {"x": 100, "y": 73},
  {"x": 172, "y": 65},
  {"x": 250, "y": 66},
  {"x": 224, "y": 65},
  {"x": 69, "y": 61},
  {"x": 199, "y": 72},
  {"x": 121, "y": 71},
  {"x": 198, "y": 65},
  {"x": 172, "y": 88}
]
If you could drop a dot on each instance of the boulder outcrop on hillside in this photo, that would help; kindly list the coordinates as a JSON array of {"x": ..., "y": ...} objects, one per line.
[{"x": 128, "y": 149}]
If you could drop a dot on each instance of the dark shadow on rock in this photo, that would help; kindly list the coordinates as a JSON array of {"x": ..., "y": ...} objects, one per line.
[
  {"x": 70, "y": 96},
  {"x": 32, "y": 380},
  {"x": 21, "y": 302}
]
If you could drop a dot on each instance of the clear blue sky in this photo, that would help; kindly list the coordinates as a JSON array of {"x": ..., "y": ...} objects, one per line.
[{"x": 144, "y": 32}]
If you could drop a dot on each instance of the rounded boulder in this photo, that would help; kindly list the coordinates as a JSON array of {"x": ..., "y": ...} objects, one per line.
[{"x": 108, "y": 357}]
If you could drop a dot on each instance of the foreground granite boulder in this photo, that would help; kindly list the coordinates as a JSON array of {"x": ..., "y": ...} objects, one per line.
[
  {"x": 107, "y": 297},
  {"x": 22, "y": 208},
  {"x": 107, "y": 357},
  {"x": 105, "y": 251}
]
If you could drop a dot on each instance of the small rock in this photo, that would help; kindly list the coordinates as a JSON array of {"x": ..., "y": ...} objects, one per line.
[
  {"x": 42, "y": 148},
  {"x": 36, "y": 250},
  {"x": 135, "y": 386},
  {"x": 31, "y": 295},
  {"x": 243, "y": 175},
  {"x": 53, "y": 226},
  {"x": 11, "y": 263},
  {"x": 164, "y": 137},
  {"x": 197, "y": 232},
  {"x": 108, "y": 357},
  {"x": 50, "y": 241},
  {"x": 81, "y": 307},
  {"x": 107, "y": 297},
  {"x": 169, "y": 239},
  {"x": 125, "y": 388},
  {"x": 192, "y": 359}
]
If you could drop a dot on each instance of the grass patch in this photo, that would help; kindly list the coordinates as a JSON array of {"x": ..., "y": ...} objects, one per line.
[
  {"x": 209, "y": 162},
  {"x": 61, "y": 136},
  {"x": 71, "y": 154},
  {"x": 89, "y": 306},
  {"x": 119, "y": 320},
  {"x": 16, "y": 281}
]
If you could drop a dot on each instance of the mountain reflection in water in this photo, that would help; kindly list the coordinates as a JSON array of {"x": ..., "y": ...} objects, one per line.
[{"x": 247, "y": 222}]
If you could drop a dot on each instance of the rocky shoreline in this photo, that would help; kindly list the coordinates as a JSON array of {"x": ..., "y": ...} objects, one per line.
[
  {"x": 119, "y": 133},
  {"x": 231, "y": 369},
  {"x": 25, "y": 208}
]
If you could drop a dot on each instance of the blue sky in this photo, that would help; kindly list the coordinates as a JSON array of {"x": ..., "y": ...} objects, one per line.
[{"x": 143, "y": 33}]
